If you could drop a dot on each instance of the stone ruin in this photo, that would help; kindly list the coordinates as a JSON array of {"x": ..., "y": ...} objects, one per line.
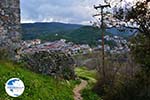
[
  {"x": 53, "y": 63},
  {"x": 9, "y": 24}
]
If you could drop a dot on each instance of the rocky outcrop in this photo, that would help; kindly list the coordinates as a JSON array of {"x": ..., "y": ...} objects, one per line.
[
  {"x": 9, "y": 24},
  {"x": 53, "y": 63}
]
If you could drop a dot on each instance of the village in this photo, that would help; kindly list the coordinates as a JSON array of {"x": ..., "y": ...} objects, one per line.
[{"x": 30, "y": 46}]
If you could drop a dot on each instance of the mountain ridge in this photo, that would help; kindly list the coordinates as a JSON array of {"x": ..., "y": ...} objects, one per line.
[{"x": 82, "y": 34}]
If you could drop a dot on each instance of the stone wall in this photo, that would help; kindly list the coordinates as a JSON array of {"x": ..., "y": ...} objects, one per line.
[
  {"x": 9, "y": 23},
  {"x": 53, "y": 63}
]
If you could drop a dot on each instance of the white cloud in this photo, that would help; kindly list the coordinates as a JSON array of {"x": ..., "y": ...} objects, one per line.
[{"x": 69, "y": 11}]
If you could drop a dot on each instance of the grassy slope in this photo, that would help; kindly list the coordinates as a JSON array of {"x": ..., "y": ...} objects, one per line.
[
  {"x": 37, "y": 87},
  {"x": 85, "y": 74},
  {"x": 90, "y": 76}
]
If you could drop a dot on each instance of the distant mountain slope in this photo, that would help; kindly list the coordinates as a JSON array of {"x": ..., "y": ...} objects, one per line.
[
  {"x": 86, "y": 34},
  {"x": 33, "y": 30},
  {"x": 71, "y": 32},
  {"x": 125, "y": 32},
  {"x": 49, "y": 27}
]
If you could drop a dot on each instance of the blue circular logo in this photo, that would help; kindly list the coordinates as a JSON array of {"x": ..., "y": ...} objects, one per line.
[{"x": 14, "y": 87}]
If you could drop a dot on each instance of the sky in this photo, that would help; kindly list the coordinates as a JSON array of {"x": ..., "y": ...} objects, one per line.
[{"x": 66, "y": 11}]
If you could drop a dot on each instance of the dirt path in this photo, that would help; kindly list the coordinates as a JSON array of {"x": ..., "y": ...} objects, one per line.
[{"x": 78, "y": 88}]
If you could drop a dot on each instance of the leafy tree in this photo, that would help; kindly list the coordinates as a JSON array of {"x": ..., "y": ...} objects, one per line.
[
  {"x": 140, "y": 14},
  {"x": 134, "y": 16}
]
